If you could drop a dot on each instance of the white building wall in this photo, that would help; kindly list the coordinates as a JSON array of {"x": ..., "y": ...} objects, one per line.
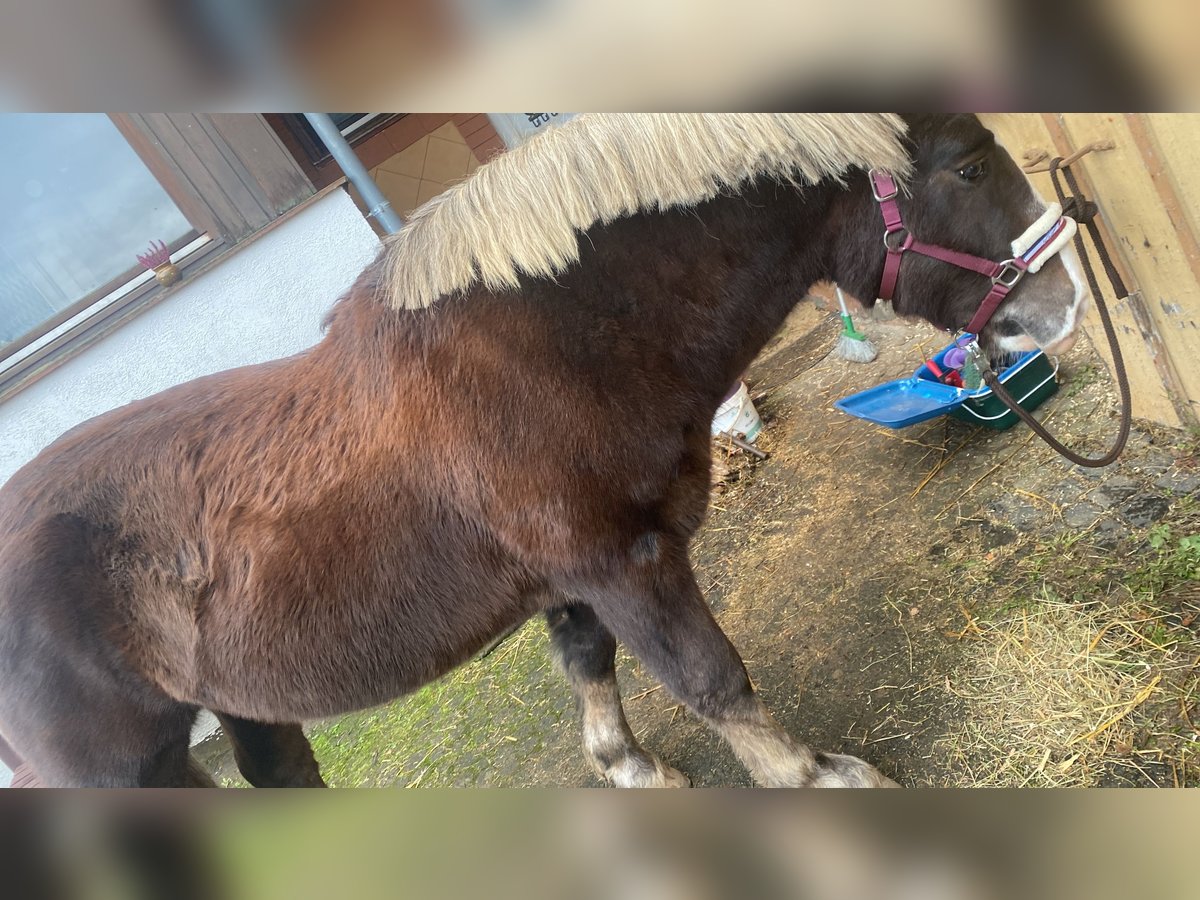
[{"x": 265, "y": 301}]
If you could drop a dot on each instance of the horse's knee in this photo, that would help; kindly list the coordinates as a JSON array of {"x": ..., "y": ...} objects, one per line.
[
  {"x": 719, "y": 688},
  {"x": 678, "y": 640}
]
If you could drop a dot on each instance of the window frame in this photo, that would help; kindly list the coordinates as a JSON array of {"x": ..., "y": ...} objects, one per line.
[
  {"x": 130, "y": 279},
  {"x": 230, "y": 176}
]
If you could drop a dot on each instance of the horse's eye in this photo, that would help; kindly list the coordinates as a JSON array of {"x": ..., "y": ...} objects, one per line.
[{"x": 973, "y": 172}]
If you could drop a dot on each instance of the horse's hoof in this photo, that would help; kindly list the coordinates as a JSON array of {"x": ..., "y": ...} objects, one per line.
[
  {"x": 645, "y": 770},
  {"x": 835, "y": 770},
  {"x": 671, "y": 778}
]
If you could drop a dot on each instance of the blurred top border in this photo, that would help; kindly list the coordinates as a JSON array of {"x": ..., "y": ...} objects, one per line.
[{"x": 426, "y": 55}]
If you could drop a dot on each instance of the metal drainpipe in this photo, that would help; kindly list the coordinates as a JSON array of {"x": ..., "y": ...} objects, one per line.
[{"x": 378, "y": 206}]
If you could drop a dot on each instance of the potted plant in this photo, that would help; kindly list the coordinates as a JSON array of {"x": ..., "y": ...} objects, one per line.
[{"x": 158, "y": 260}]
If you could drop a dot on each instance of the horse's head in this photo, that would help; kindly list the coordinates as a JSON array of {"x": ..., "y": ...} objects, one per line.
[{"x": 969, "y": 197}]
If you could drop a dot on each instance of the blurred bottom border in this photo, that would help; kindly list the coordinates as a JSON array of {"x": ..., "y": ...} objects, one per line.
[{"x": 532, "y": 844}]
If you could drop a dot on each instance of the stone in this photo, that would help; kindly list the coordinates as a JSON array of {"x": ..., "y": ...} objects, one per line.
[
  {"x": 1066, "y": 491},
  {"x": 1155, "y": 462},
  {"x": 1109, "y": 533},
  {"x": 1138, "y": 440},
  {"x": 1116, "y": 489},
  {"x": 1180, "y": 483},
  {"x": 1081, "y": 515},
  {"x": 1015, "y": 512},
  {"x": 1144, "y": 510}
]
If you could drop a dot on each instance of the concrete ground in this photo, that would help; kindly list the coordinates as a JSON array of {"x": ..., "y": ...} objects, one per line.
[{"x": 958, "y": 606}]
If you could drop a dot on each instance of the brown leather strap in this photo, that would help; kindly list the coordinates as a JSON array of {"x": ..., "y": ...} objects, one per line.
[{"x": 1080, "y": 205}]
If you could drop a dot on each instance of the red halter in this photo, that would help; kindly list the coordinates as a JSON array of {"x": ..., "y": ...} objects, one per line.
[{"x": 1004, "y": 275}]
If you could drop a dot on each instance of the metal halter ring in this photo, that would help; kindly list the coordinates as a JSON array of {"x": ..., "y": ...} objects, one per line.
[
  {"x": 1010, "y": 273},
  {"x": 898, "y": 247}
]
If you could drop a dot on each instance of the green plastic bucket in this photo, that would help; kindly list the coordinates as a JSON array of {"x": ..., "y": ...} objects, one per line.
[{"x": 1030, "y": 383}]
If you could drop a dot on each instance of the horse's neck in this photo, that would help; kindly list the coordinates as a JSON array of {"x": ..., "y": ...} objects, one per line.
[
  {"x": 687, "y": 297},
  {"x": 722, "y": 277}
]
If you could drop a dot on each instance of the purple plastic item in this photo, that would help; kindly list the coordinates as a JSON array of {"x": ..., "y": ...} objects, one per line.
[{"x": 955, "y": 357}]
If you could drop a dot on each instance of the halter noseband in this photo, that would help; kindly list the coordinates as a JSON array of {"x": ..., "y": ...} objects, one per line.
[{"x": 1040, "y": 241}]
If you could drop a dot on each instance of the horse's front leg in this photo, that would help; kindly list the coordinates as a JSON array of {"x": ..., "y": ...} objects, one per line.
[
  {"x": 272, "y": 755},
  {"x": 657, "y": 610}
]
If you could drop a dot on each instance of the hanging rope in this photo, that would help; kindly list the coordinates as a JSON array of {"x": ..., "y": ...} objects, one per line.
[{"x": 1082, "y": 211}]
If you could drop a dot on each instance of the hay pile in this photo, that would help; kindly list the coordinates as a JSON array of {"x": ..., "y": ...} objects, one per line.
[{"x": 1059, "y": 695}]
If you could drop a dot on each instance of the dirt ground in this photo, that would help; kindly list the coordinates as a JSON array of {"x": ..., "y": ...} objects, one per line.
[{"x": 958, "y": 606}]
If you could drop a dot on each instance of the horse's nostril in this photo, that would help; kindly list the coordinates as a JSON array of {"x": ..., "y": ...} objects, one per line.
[{"x": 1008, "y": 328}]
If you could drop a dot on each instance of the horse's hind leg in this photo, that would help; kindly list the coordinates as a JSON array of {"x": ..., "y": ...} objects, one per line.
[
  {"x": 586, "y": 652},
  {"x": 70, "y": 704},
  {"x": 272, "y": 755},
  {"x": 109, "y": 742},
  {"x": 660, "y": 614}
]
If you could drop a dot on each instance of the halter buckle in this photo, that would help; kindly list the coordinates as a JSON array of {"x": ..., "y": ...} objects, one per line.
[
  {"x": 1010, "y": 273},
  {"x": 877, "y": 176}
]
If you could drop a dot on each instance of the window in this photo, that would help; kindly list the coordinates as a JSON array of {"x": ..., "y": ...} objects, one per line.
[
  {"x": 78, "y": 206},
  {"x": 82, "y": 195}
]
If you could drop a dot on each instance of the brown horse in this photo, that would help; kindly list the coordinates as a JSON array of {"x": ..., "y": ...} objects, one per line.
[{"x": 327, "y": 532}]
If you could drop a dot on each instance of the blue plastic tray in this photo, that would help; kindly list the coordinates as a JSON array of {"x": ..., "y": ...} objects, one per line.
[{"x": 898, "y": 404}]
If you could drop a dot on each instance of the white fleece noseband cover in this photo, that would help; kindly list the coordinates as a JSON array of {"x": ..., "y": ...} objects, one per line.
[{"x": 1030, "y": 246}]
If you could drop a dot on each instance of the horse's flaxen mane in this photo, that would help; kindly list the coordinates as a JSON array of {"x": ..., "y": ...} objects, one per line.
[{"x": 522, "y": 212}]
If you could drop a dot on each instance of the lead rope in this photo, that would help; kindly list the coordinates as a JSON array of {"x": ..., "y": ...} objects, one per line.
[{"x": 1083, "y": 212}]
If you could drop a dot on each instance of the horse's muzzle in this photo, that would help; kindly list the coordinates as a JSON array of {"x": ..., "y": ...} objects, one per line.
[{"x": 1058, "y": 348}]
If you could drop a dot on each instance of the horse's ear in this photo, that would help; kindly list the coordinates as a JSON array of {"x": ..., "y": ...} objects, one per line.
[
  {"x": 919, "y": 125},
  {"x": 922, "y": 127}
]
